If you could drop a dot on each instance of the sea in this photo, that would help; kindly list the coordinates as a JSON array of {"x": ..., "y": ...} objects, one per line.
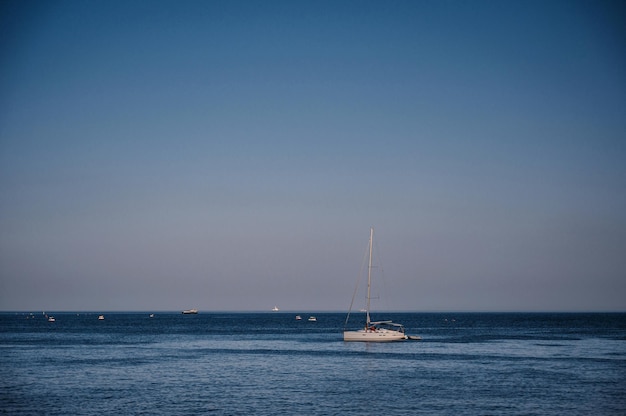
[{"x": 272, "y": 364}]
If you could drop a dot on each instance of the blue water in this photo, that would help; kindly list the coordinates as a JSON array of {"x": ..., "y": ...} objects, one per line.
[{"x": 269, "y": 364}]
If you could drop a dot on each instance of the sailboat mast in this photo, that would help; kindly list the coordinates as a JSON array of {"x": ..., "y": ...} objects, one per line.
[{"x": 369, "y": 276}]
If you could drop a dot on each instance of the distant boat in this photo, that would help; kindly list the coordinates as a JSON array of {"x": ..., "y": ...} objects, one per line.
[
  {"x": 374, "y": 331},
  {"x": 51, "y": 319},
  {"x": 298, "y": 318},
  {"x": 151, "y": 315},
  {"x": 190, "y": 312},
  {"x": 275, "y": 309},
  {"x": 312, "y": 319},
  {"x": 101, "y": 318}
]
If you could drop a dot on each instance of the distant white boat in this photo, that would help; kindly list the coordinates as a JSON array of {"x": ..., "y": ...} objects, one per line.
[
  {"x": 151, "y": 315},
  {"x": 312, "y": 319},
  {"x": 275, "y": 309},
  {"x": 374, "y": 331},
  {"x": 51, "y": 319},
  {"x": 298, "y": 318},
  {"x": 190, "y": 312},
  {"x": 101, "y": 318}
]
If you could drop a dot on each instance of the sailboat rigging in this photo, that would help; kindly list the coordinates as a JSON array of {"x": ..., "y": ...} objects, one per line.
[{"x": 379, "y": 331}]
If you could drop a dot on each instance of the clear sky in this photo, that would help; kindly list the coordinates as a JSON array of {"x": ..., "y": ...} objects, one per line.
[{"x": 232, "y": 155}]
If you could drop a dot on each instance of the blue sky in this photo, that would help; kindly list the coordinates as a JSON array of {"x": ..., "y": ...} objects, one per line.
[{"x": 232, "y": 155}]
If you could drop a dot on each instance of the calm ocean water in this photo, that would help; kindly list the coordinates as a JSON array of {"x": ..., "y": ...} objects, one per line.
[{"x": 269, "y": 363}]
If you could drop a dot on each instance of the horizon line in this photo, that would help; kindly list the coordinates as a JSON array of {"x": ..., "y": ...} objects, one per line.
[{"x": 296, "y": 311}]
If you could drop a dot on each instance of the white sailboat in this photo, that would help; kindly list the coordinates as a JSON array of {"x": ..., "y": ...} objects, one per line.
[{"x": 380, "y": 331}]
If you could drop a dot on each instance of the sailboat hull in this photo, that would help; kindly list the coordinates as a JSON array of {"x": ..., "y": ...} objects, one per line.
[{"x": 380, "y": 335}]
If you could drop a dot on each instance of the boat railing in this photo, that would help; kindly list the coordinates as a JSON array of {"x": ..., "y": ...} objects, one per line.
[{"x": 388, "y": 325}]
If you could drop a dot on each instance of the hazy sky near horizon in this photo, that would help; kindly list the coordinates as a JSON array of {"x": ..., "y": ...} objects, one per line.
[{"x": 232, "y": 155}]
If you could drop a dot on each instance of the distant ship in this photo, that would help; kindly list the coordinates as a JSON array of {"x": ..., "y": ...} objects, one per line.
[
  {"x": 101, "y": 318},
  {"x": 275, "y": 309},
  {"x": 190, "y": 312}
]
